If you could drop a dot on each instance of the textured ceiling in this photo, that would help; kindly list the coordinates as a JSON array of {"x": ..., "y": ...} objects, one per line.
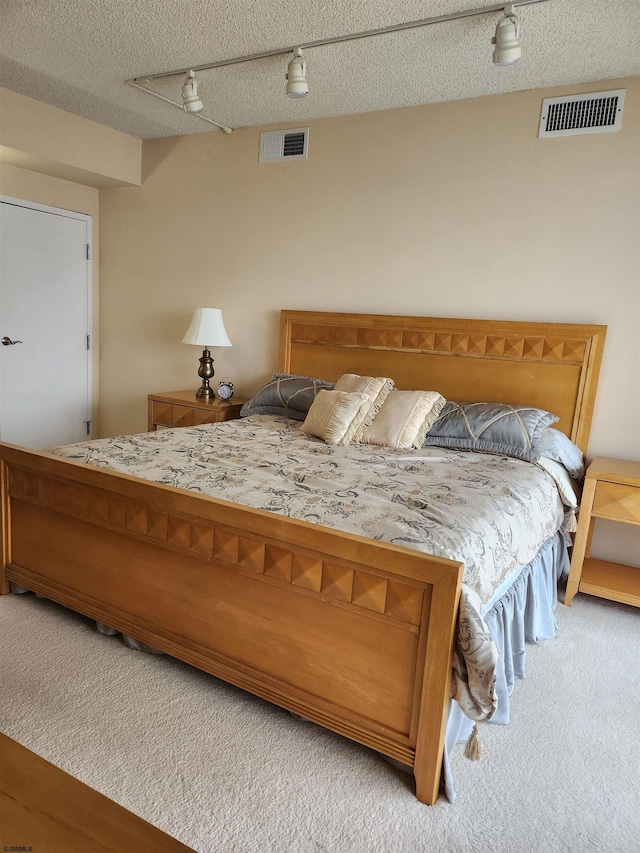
[{"x": 77, "y": 55}]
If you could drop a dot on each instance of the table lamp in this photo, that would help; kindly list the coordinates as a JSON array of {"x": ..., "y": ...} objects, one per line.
[{"x": 206, "y": 330}]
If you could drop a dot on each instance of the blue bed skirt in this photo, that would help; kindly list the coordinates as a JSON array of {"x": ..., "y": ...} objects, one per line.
[{"x": 522, "y": 612}]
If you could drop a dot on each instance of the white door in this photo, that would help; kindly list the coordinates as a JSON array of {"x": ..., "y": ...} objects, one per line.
[{"x": 45, "y": 377}]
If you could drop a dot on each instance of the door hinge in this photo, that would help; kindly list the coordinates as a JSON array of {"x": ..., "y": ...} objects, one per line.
[
  {"x": 88, "y": 252},
  {"x": 88, "y": 423},
  {"x": 88, "y": 341}
]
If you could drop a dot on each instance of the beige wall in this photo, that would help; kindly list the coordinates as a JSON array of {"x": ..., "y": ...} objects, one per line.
[
  {"x": 46, "y": 139},
  {"x": 453, "y": 209},
  {"x": 43, "y": 189}
]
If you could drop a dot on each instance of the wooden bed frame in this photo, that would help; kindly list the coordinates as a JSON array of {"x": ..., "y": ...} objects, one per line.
[{"x": 353, "y": 634}]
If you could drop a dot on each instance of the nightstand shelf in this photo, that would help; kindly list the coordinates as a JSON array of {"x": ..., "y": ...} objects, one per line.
[
  {"x": 184, "y": 409},
  {"x": 611, "y": 580},
  {"x": 612, "y": 492}
]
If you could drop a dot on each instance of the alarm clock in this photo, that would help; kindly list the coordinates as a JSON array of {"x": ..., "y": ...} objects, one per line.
[{"x": 225, "y": 389}]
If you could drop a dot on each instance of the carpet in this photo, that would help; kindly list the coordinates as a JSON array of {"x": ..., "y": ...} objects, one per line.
[{"x": 225, "y": 772}]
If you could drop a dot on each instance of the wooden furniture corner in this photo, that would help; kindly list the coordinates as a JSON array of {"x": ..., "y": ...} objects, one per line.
[
  {"x": 44, "y": 808},
  {"x": 612, "y": 492}
]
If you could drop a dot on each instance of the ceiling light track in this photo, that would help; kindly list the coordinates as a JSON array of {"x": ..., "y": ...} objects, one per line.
[
  {"x": 298, "y": 68},
  {"x": 142, "y": 88}
]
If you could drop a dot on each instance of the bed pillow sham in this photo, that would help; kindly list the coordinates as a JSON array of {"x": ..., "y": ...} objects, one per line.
[
  {"x": 333, "y": 413},
  {"x": 491, "y": 428},
  {"x": 404, "y": 419},
  {"x": 376, "y": 388},
  {"x": 557, "y": 446},
  {"x": 286, "y": 394}
]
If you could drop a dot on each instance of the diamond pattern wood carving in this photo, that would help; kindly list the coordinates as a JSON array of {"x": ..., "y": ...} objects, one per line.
[
  {"x": 283, "y": 563},
  {"x": 616, "y": 501},
  {"x": 462, "y": 343}
]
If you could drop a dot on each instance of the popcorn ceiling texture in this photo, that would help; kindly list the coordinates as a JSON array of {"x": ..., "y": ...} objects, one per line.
[{"x": 77, "y": 55}]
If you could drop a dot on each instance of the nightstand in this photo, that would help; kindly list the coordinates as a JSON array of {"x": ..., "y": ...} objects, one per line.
[
  {"x": 611, "y": 491},
  {"x": 183, "y": 409}
]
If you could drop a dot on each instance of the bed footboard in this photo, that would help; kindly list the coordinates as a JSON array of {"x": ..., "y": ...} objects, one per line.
[{"x": 353, "y": 634}]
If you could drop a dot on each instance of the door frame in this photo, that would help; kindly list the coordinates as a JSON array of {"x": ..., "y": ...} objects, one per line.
[{"x": 92, "y": 324}]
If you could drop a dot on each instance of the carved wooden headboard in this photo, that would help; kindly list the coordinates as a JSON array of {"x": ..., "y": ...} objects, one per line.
[{"x": 554, "y": 366}]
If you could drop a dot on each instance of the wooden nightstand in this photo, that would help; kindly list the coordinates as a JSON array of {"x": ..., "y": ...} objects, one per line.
[
  {"x": 611, "y": 491},
  {"x": 182, "y": 409}
]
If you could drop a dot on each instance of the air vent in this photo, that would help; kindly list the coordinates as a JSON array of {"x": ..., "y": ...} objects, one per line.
[
  {"x": 279, "y": 145},
  {"x": 598, "y": 112}
]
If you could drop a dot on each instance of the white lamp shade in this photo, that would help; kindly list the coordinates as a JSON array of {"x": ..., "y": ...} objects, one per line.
[{"x": 207, "y": 329}]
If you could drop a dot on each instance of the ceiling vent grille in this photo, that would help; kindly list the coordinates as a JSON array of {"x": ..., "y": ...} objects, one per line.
[
  {"x": 279, "y": 145},
  {"x": 598, "y": 112}
]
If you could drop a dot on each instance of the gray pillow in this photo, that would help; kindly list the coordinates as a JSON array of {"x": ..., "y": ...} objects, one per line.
[
  {"x": 556, "y": 446},
  {"x": 491, "y": 428},
  {"x": 287, "y": 395}
]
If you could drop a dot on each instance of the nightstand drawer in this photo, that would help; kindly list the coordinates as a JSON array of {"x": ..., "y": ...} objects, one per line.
[
  {"x": 183, "y": 416},
  {"x": 200, "y": 416},
  {"x": 167, "y": 414},
  {"x": 162, "y": 413},
  {"x": 617, "y": 502}
]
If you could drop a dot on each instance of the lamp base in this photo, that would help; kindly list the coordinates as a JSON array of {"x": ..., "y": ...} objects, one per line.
[
  {"x": 205, "y": 392},
  {"x": 205, "y": 372}
]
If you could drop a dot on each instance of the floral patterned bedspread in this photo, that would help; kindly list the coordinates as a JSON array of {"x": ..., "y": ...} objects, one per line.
[{"x": 493, "y": 513}]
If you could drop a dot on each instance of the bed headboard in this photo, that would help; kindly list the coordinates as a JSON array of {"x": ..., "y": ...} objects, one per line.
[{"x": 553, "y": 366}]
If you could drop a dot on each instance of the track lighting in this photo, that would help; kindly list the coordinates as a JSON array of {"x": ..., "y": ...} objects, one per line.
[
  {"x": 507, "y": 39},
  {"x": 191, "y": 102},
  {"x": 296, "y": 76}
]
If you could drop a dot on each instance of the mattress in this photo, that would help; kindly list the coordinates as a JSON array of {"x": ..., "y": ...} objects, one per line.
[{"x": 491, "y": 512}]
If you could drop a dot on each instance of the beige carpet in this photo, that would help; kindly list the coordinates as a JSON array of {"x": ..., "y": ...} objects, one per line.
[{"x": 225, "y": 772}]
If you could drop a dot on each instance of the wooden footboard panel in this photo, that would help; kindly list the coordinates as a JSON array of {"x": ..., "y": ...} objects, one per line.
[{"x": 351, "y": 633}]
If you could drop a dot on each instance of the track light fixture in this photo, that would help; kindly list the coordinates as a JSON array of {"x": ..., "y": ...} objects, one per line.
[
  {"x": 191, "y": 102},
  {"x": 296, "y": 76},
  {"x": 506, "y": 40},
  {"x": 508, "y": 49}
]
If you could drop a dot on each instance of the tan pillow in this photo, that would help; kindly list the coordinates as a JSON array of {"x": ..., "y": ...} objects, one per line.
[
  {"x": 375, "y": 387},
  {"x": 332, "y": 413},
  {"x": 404, "y": 419}
]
